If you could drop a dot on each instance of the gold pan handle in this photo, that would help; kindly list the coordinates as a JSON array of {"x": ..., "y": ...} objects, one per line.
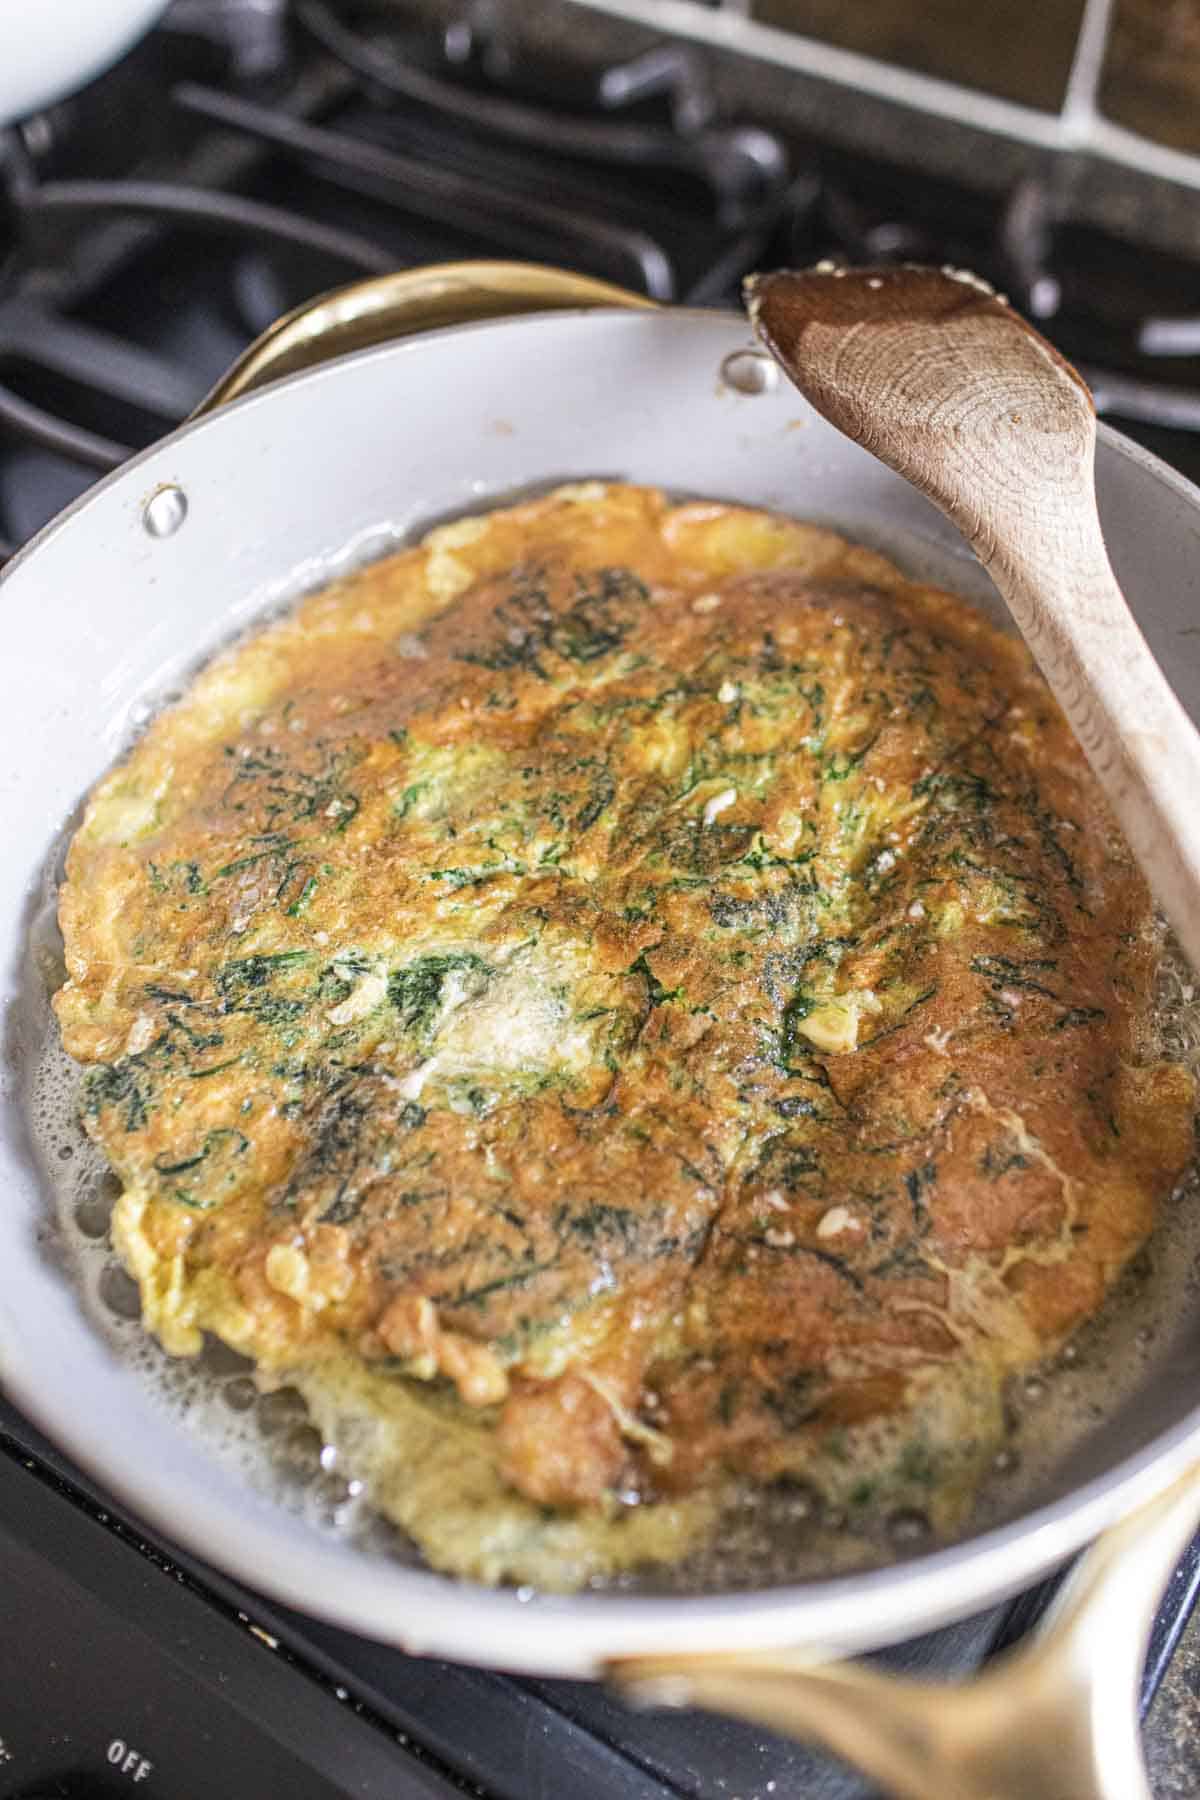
[
  {"x": 386, "y": 307},
  {"x": 1054, "y": 1719}
]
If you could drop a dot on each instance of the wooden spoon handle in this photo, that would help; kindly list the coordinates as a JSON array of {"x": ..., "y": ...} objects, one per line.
[{"x": 1141, "y": 744}]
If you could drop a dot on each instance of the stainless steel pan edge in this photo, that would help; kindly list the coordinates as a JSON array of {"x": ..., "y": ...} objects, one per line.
[{"x": 101, "y": 614}]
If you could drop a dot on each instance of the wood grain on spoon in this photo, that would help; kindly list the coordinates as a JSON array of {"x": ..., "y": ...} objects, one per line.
[{"x": 941, "y": 380}]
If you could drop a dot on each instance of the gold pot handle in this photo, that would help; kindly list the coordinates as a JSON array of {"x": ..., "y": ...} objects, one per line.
[
  {"x": 386, "y": 307},
  {"x": 1054, "y": 1719}
]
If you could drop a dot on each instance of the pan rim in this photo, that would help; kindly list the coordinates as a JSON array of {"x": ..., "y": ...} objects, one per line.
[{"x": 575, "y": 1635}]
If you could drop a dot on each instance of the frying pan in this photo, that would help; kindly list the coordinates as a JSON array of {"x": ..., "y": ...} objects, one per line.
[{"x": 275, "y": 487}]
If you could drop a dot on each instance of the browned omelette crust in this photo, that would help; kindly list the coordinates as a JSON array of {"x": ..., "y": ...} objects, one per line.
[{"x": 650, "y": 971}]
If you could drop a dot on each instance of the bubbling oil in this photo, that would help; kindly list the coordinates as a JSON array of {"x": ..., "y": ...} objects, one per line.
[
  {"x": 787, "y": 1532},
  {"x": 768, "y": 1536},
  {"x": 261, "y": 1433}
]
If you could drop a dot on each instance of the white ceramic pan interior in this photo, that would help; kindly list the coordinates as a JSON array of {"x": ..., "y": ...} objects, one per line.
[{"x": 118, "y": 600}]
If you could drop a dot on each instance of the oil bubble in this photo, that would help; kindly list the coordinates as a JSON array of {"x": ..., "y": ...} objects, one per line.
[
  {"x": 93, "y": 1210},
  {"x": 278, "y": 1411},
  {"x": 908, "y": 1527},
  {"x": 300, "y": 1449},
  {"x": 794, "y": 1498},
  {"x": 119, "y": 1292},
  {"x": 219, "y": 1359},
  {"x": 331, "y": 1500}
]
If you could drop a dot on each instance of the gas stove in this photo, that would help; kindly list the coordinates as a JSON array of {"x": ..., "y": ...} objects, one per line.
[
  {"x": 251, "y": 153},
  {"x": 279, "y": 149}
]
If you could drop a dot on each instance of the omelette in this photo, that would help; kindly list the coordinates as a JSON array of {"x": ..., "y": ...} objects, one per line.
[{"x": 626, "y": 1006}]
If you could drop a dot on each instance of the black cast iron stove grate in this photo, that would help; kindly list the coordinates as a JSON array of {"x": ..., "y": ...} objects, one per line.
[
  {"x": 251, "y": 154},
  {"x": 275, "y": 151}
]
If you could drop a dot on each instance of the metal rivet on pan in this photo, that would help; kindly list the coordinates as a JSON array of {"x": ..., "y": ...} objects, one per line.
[
  {"x": 165, "y": 511},
  {"x": 750, "y": 372}
]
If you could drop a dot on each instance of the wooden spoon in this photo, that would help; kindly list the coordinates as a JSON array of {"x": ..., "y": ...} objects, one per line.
[{"x": 936, "y": 376}]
